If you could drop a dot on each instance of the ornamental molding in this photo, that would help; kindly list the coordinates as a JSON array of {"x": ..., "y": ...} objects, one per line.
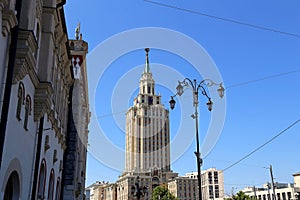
[
  {"x": 49, "y": 10},
  {"x": 79, "y": 46},
  {"x": 39, "y": 8},
  {"x": 25, "y": 59},
  {"x": 9, "y": 20},
  {"x": 3, "y": 3},
  {"x": 42, "y": 100}
]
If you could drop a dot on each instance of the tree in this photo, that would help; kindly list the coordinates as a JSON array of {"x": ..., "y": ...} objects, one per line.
[
  {"x": 162, "y": 193},
  {"x": 239, "y": 196}
]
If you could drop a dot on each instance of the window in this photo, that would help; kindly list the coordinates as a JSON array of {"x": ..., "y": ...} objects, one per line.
[
  {"x": 283, "y": 196},
  {"x": 27, "y": 111},
  {"x": 150, "y": 101},
  {"x": 211, "y": 192},
  {"x": 143, "y": 100},
  {"x": 210, "y": 177},
  {"x": 21, "y": 98},
  {"x": 217, "y": 191},
  {"x": 278, "y": 196},
  {"x": 57, "y": 191},
  {"x": 51, "y": 185},
  {"x": 289, "y": 195},
  {"x": 12, "y": 188},
  {"x": 42, "y": 179},
  {"x": 216, "y": 177}
]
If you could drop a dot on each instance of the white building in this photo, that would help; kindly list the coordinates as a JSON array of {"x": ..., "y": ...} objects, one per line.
[
  {"x": 283, "y": 191},
  {"x": 100, "y": 191},
  {"x": 186, "y": 187},
  {"x": 147, "y": 141},
  {"x": 36, "y": 80},
  {"x": 147, "y": 129}
]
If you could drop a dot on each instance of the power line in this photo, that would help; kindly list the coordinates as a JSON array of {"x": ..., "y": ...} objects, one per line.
[
  {"x": 262, "y": 79},
  {"x": 261, "y": 146},
  {"x": 225, "y": 19},
  {"x": 244, "y": 164}
]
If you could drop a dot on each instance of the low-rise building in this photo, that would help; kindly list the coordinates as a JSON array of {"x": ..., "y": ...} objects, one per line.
[
  {"x": 186, "y": 187},
  {"x": 283, "y": 191},
  {"x": 100, "y": 191}
]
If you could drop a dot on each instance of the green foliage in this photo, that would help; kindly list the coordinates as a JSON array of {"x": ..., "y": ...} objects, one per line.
[
  {"x": 162, "y": 193},
  {"x": 239, "y": 196}
]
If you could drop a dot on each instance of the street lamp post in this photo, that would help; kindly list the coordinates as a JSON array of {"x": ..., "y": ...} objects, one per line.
[
  {"x": 196, "y": 86},
  {"x": 140, "y": 191}
]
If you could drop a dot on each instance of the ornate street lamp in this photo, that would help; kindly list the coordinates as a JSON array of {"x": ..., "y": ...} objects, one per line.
[
  {"x": 196, "y": 87},
  {"x": 140, "y": 191}
]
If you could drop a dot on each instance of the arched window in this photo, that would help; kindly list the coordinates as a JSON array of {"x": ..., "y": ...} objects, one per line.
[
  {"x": 12, "y": 188},
  {"x": 21, "y": 98},
  {"x": 27, "y": 111},
  {"x": 42, "y": 180},
  {"x": 51, "y": 185},
  {"x": 57, "y": 190}
]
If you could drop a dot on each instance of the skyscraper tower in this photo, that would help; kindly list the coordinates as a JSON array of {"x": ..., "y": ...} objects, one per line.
[{"x": 147, "y": 129}]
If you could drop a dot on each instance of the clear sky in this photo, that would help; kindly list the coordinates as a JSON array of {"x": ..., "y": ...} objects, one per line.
[{"x": 260, "y": 68}]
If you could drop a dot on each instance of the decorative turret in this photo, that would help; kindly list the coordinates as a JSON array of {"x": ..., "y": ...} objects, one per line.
[{"x": 147, "y": 82}]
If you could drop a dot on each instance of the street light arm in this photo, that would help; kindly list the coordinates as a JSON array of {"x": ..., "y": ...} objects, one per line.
[{"x": 203, "y": 91}]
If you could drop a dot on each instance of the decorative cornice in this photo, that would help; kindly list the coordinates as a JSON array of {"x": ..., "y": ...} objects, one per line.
[
  {"x": 3, "y": 3},
  {"x": 42, "y": 100},
  {"x": 9, "y": 20},
  {"x": 25, "y": 60},
  {"x": 49, "y": 10},
  {"x": 78, "y": 45}
]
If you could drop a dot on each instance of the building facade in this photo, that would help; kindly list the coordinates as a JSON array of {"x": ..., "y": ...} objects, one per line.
[
  {"x": 147, "y": 129},
  {"x": 74, "y": 163},
  {"x": 283, "y": 191},
  {"x": 212, "y": 181},
  {"x": 147, "y": 153},
  {"x": 266, "y": 193},
  {"x": 36, "y": 80},
  {"x": 186, "y": 187},
  {"x": 100, "y": 191}
]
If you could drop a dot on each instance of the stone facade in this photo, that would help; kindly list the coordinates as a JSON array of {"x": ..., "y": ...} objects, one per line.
[
  {"x": 282, "y": 192},
  {"x": 78, "y": 119},
  {"x": 147, "y": 142},
  {"x": 186, "y": 187},
  {"x": 37, "y": 80},
  {"x": 147, "y": 129}
]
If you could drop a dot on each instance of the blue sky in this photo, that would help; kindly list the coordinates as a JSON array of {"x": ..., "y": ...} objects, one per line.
[{"x": 255, "y": 112}]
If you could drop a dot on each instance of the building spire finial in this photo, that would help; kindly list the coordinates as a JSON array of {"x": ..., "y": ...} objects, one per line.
[
  {"x": 147, "y": 67},
  {"x": 77, "y": 31}
]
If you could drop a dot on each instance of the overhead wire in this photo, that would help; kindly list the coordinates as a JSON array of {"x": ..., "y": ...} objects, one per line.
[
  {"x": 263, "y": 78},
  {"x": 261, "y": 146},
  {"x": 224, "y": 19},
  {"x": 244, "y": 164}
]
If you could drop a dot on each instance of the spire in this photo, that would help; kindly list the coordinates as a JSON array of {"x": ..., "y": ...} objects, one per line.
[{"x": 147, "y": 67}]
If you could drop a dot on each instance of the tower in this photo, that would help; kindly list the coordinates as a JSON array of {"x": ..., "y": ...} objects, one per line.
[{"x": 147, "y": 129}]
